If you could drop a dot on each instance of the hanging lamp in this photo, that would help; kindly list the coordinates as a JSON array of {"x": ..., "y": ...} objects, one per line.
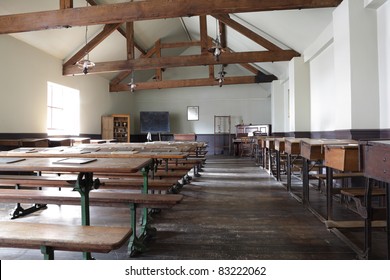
[
  {"x": 132, "y": 85},
  {"x": 216, "y": 49},
  {"x": 85, "y": 64}
]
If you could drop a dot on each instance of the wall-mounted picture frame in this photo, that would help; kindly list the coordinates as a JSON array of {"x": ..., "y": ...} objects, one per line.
[{"x": 192, "y": 113}]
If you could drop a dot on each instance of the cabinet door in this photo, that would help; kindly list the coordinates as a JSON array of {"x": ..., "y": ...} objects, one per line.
[{"x": 107, "y": 127}]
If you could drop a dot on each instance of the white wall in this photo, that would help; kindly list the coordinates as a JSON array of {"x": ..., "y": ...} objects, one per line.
[
  {"x": 344, "y": 70},
  {"x": 299, "y": 96},
  {"x": 24, "y": 73},
  {"x": 384, "y": 64},
  {"x": 249, "y": 103},
  {"x": 324, "y": 109},
  {"x": 278, "y": 103}
]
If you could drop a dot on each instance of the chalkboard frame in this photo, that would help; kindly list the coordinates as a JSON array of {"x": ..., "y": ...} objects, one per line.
[{"x": 154, "y": 122}]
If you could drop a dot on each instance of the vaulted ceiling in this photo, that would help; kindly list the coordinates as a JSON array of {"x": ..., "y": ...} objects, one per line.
[{"x": 149, "y": 37}]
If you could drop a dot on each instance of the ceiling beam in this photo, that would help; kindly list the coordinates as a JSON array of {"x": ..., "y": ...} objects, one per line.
[
  {"x": 184, "y": 83},
  {"x": 66, "y": 4},
  {"x": 248, "y": 33},
  {"x": 182, "y": 61},
  {"x": 180, "y": 44},
  {"x": 123, "y": 75},
  {"x": 145, "y": 10}
]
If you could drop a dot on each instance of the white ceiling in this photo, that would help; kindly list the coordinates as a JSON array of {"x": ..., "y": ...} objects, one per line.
[{"x": 295, "y": 29}]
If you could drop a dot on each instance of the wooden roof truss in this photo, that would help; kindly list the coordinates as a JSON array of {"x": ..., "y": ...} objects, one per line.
[{"x": 120, "y": 17}]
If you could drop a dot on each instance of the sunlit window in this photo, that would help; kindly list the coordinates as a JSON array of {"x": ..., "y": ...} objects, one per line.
[{"x": 63, "y": 110}]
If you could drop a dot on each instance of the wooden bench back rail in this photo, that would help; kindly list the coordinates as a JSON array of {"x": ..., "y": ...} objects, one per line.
[{"x": 50, "y": 237}]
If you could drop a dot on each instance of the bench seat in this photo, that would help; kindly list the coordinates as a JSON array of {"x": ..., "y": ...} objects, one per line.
[
  {"x": 360, "y": 192},
  {"x": 163, "y": 184},
  {"x": 353, "y": 224},
  {"x": 96, "y": 198},
  {"x": 340, "y": 175},
  {"x": 50, "y": 237}
]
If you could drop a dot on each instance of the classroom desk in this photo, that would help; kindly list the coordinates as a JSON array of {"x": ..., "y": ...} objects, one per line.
[
  {"x": 279, "y": 145},
  {"x": 56, "y": 141},
  {"x": 26, "y": 142},
  {"x": 312, "y": 150},
  {"x": 343, "y": 158},
  {"x": 292, "y": 147},
  {"x": 85, "y": 181},
  {"x": 268, "y": 146},
  {"x": 375, "y": 159},
  {"x": 259, "y": 150},
  {"x": 112, "y": 150}
]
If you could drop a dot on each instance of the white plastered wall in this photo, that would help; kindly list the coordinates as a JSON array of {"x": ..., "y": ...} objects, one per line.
[{"x": 24, "y": 73}]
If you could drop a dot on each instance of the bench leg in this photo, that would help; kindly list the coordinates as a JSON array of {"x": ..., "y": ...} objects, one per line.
[
  {"x": 19, "y": 211},
  {"x": 84, "y": 185},
  {"x": 137, "y": 244},
  {"x": 48, "y": 252}
]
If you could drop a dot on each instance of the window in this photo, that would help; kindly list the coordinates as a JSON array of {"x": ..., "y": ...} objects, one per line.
[{"x": 63, "y": 110}]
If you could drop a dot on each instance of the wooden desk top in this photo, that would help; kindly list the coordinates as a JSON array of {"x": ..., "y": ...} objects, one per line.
[
  {"x": 292, "y": 145},
  {"x": 10, "y": 142},
  {"x": 313, "y": 149},
  {"x": 343, "y": 157},
  {"x": 94, "y": 152},
  {"x": 103, "y": 165},
  {"x": 279, "y": 144},
  {"x": 376, "y": 159}
]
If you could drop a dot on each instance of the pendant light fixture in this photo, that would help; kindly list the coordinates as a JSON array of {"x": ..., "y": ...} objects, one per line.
[
  {"x": 216, "y": 49},
  {"x": 85, "y": 64},
  {"x": 132, "y": 85},
  {"x": 221, "y": 77}
]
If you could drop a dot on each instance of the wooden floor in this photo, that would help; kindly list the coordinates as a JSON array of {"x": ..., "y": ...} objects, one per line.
[{"x": 235, "y": 210}]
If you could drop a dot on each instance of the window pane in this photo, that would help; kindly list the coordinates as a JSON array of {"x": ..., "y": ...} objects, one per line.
[{"x": 63, "y": 110}]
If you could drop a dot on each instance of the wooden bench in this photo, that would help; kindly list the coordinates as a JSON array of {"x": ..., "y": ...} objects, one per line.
[
  {"x": 337, "y": 176},
  {"x": 353, "y": 224},
  {"x": 191, "y": 163},
  {"x": 51, "y": 237},
  {"x": 357, "y": 194},
  {"x": 20, "y": 181},
  {"x": 96, "y": 198},
  {"x": 101, "y": 198}
]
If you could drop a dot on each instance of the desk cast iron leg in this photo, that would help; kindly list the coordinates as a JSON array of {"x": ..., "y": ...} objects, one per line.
[
  {"x": 48, "y": 252},
  {"x": 368, "y": 220},
  {"x": 136, "y": 244},
  {"x": 305, "y": 182},
  {"x": 329, "y": 193},
  {"x": 278, "y": 166},
  {"x": 289, "y": 167},
  {"x": 84, "y": 185}
]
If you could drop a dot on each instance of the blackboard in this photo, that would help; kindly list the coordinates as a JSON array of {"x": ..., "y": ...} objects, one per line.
[{"x": 154, "y": 122}]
